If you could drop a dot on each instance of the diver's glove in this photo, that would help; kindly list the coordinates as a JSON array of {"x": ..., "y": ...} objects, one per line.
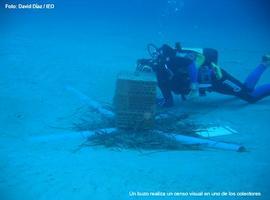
[
  {"x": 144, "y": 65},
  {"x": 144, "y": 62}
]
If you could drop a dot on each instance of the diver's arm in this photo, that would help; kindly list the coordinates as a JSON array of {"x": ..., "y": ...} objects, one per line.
[{"x": 142, "y": 63}]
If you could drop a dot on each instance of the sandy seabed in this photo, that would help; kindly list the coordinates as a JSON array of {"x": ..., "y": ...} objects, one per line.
[{"x": 33, "y": 76}]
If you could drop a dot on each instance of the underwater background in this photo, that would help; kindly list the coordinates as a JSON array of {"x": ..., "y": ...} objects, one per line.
[{"x": 85, "y": 44}]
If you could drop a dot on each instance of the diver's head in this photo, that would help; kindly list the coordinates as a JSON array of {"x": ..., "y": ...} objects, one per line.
[{"x": 166, "y": 52}]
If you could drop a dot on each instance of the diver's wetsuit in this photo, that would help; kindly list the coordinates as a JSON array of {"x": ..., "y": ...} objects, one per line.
[
  {"x": 247, "y": 90},
  {"x": 173, "y": 76}
]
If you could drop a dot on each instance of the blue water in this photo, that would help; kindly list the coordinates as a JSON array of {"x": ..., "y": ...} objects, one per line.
[{"x": 84, "y": 44}]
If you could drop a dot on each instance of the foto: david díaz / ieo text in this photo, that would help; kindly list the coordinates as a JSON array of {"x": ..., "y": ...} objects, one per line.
[{"x": 30, "y": 6}]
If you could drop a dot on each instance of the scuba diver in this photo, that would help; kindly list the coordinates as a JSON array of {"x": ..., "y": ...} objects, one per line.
[{"x": 193, "y": 72}]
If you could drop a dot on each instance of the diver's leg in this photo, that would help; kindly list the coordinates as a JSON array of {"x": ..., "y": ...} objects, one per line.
[
  {"x": 255, "y": 76},
  {"x": 261, "y": 92},
  {"x": 254, "y": 96},
  {"x": 167, "y": 95},
  {"x": 164, "y": 86},
  {"x": 229, "y": 85}
]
